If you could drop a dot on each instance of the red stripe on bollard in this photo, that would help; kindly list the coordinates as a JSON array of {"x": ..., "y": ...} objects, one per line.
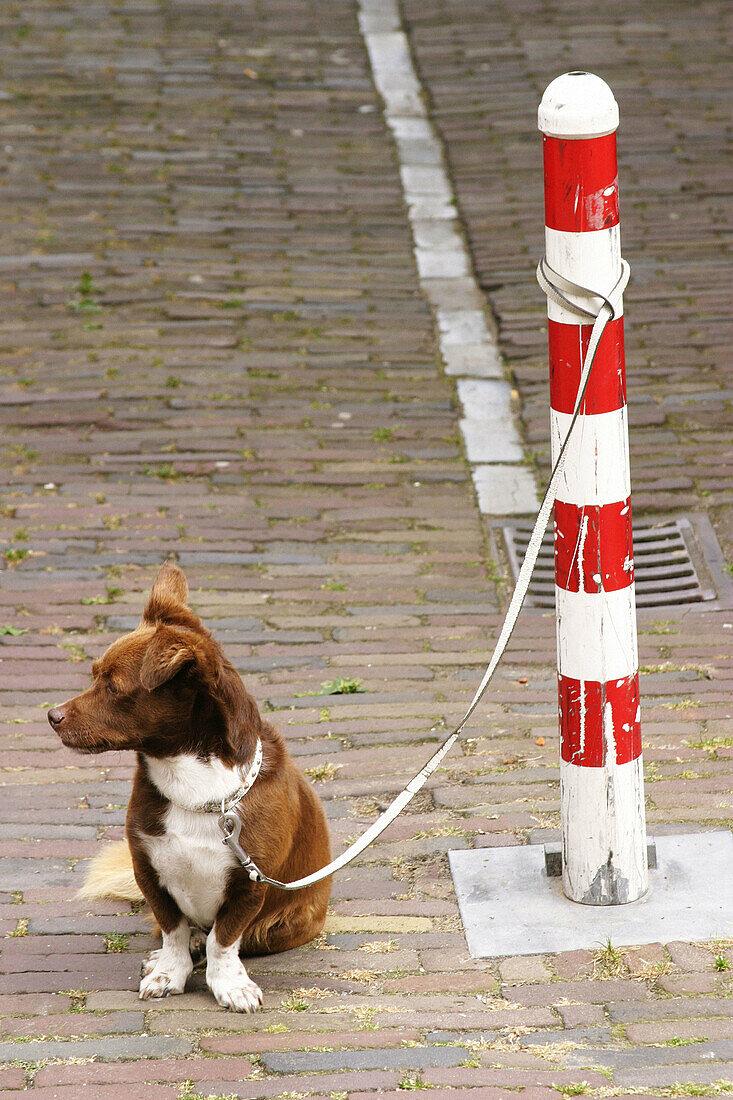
[
  {"x": 596, "y": 719},
  {"x": 581, "y": 188},
  {"x": 593, "y": 547},
  {"x": 607, "y": 384}
]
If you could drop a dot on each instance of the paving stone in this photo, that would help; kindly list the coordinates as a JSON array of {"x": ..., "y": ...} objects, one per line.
[
  {"x": 657, "y": 1077},
  {"x": 681, "y": 1031},
  {"x": 258, "y": 1042},
  {"x": 38, "y": 1004},
  {"x": 640, "y": 959},
  {"x": 27, "y": 874},
  {"x": 482, "y": 1093},
  {"x": 318, "y": 1084},
  {"x": 689, "y": 957},
  {"x": 462, "y": 326},
  {"x": 106, "y": 1092},
  {"x": 76, "y": 1023},
  {"x": 677, "y": 1008},
  {"x": 593, "y": 992},
  {"x": 510, "y": 1078},
  {"x": 474, "y": 360},
  {"x": 576, "y": 1015},
  {"x": 93, "y": 1074},
  {"x": 502, "y": 491},
  {"x": 490, "y": 441},
  {"x": 12, "y": 1077},
  {"x": 651, "y": 1056},
  {"x": 406, "y": 1058},
  {"x": 574, "y": 964},
  {"x": 105, "y": 1049},
  {"x": 522, "y": 968}
]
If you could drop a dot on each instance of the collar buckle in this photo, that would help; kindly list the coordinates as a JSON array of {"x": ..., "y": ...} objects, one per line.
[{"x": 230, "y": 824}]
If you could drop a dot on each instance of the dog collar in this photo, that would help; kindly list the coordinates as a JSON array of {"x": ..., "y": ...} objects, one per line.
[{"x": 224, "y": 805}]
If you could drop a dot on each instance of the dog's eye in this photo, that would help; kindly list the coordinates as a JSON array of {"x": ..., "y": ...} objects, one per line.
[{"x": 111, "y": 688}]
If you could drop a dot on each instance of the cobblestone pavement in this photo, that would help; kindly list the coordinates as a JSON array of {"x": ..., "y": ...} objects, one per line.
[{"x": 214, "y": 345}]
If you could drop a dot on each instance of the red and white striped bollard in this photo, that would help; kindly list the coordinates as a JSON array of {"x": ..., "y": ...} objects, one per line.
[{"x": 601, "y": 779}]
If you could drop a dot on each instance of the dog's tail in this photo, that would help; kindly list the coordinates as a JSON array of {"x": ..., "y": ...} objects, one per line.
[{"x": 110, "y": 875}]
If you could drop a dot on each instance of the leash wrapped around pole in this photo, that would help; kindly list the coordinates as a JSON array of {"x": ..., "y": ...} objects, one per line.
[{"x": 581, "y": 301}]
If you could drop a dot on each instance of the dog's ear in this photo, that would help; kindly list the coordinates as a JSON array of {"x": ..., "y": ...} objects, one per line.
[
  {"x": 242, "y": 716},
  {"x": 169, "y": 651},
  {"x": 168, "y": 595},
  {"x": 238, "y": 715}
]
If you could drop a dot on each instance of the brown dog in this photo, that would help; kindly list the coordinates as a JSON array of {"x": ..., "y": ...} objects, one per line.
[{"x": 167, "y": 691}]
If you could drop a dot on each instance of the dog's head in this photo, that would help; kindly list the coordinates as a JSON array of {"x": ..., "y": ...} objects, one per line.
[{"x": 164, "y": 688}]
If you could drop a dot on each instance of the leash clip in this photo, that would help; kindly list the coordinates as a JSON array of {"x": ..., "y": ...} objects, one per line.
[{"x": 230, "y": 824}]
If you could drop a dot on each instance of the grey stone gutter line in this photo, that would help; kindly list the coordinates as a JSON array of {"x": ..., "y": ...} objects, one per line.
[{"x": 504, "y": 485}]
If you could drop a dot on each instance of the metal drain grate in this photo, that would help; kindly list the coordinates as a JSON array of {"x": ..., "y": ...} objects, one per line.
[{"x": 676, "y": 561}]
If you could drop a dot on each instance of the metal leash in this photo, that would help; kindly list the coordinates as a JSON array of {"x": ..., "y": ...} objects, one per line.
[{"x": 570, "y": 296}]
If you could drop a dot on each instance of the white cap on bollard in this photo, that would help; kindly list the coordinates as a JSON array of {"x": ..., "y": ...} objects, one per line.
[{"x": 577, "y": 105}]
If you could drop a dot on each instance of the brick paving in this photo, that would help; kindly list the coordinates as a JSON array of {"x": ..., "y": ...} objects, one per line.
[
  {"x": 214, "y": 345},
  {"x": 485, "y": 68}
]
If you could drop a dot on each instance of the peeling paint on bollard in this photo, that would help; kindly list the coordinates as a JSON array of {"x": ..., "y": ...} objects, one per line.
[{"x": 608, "y": 887}]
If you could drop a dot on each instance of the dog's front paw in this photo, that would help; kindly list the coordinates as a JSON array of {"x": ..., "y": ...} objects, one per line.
[
  {"x": 150, "y": 962},
  {"x": 163, "y": 978},
  {"x": 235, "y": 990}
]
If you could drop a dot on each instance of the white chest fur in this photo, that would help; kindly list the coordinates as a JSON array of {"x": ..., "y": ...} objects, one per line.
[
  {"x": 190, "y": 782},
  {"x": 190, "y": 859},
  {"x": 192, "y": 863}
]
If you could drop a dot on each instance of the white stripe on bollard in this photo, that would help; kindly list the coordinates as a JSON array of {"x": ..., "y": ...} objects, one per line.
[
  {"x": 586, "y": 258},
  {"x": 608, "y": 617},
  {"x": 597, "y": 464},
  {"x": 585, "y": 793}
]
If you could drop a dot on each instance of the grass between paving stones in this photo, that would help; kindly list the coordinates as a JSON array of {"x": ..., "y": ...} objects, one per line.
[
  {"x": 166, "y": 471},
  {"x": 112, "y": 593},
  {"x": 15, "y": 554},
  {"x": 116, "y": 942},
  {"x": 651, "y": 972},
  {"x": 86, "y": 300},
  {"x": 323, "y": 772},
  {"x": 295, "y": 1003},
  {"x": 210, "y": 1096},
  {"x": 187, "y": 1091},
  {"x": 609, "y": 961},
  {"x": 344, "y": 685},
  {"x": 677, "y": 1042},
  {"x": 411, "y": 1082},
  {"x": 680, "y": 1088},
  {"x": 77, "y": 653},
  {"x": 711, "y": 744}
]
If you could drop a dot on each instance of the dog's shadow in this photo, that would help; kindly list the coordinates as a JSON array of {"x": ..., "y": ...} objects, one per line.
[{"x": 198, "y": 950}]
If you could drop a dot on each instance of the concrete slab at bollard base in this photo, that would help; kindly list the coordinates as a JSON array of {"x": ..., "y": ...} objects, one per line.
[{"x": 509, "y": 906}]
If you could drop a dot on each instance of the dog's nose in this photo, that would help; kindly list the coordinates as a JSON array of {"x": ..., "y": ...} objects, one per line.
[{"x": 56, "y": 716}]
